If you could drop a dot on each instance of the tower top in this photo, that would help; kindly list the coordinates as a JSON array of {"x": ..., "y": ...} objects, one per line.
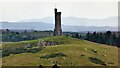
[{"x": 55, "y": 10}]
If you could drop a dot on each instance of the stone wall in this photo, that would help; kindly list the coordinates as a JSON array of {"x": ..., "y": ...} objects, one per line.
[{"x": 47, "y": 43}]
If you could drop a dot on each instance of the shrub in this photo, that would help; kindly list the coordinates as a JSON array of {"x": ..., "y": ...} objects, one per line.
[
  {"x": 33, "y": 50},
  {"x": 7, "y": 52},
  {"x": 97, "y": 61}
]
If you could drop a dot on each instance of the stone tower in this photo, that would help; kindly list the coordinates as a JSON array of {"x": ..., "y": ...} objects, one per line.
[{"x": 57, "y": 30}]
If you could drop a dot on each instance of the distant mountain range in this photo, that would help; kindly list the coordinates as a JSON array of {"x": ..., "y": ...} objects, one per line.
[
  {"x": 74, "y": 21},
  {"x": 68, "y": 24}
]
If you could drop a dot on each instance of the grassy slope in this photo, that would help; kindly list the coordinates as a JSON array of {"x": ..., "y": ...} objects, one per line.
[
  {"x": 73, "y": 48},
  {"x": 0, "y": 55}
]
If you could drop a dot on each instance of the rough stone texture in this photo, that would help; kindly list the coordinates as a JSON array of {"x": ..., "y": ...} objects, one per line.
[
  {"x": 57, "y": 30},
  {"x": 28, "y": 46},
  {"x": 94, "y": 50},
  {"x": 47, "y": 43}
]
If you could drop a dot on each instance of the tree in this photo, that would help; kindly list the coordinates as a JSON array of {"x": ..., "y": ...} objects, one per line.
[
  {"x": 88, "y": 36},
  {"x": 108, "y": 33},
  {"x": 77, "y": 35},
  {"x": 113, "y": 39},
  {"x": 118, "y": 41},
  {"x": 7, "y": 30},
  {"x": 94, "y": 37},
  {"x": 104, "y": 38}
]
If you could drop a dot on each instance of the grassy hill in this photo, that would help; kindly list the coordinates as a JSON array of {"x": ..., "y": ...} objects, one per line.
[
  {"x": 0, "y": 54},
  {"x": 70, "y": 52}
]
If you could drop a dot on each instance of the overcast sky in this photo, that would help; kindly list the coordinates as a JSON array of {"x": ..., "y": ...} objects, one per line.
[{"x": 15, "y": 10}]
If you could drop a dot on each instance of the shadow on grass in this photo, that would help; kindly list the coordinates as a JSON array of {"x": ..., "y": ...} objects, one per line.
[{"x": 97, "y": 61}]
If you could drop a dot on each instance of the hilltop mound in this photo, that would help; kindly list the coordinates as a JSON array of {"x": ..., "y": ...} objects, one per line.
[{"x": 66, "y": 51}]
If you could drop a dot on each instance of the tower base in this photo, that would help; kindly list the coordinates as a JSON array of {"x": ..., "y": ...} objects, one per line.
[{"x": 57, "y": 32}]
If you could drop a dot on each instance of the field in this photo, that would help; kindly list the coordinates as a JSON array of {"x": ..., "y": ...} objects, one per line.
[
  {"x": 74, "y": 52},
  {"x": 0, "y": 55}
]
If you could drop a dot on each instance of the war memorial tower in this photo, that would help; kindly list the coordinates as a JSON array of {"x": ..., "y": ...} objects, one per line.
[{"x": 57, "y": 30}]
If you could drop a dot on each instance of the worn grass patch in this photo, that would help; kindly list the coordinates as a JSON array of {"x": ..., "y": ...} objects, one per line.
[{"x": 53, "y": 55}]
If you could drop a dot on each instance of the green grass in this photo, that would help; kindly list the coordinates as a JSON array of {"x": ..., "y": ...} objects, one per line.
[
  {"x": 71, "y": 47},
  {"x": 53, "y": 55}
]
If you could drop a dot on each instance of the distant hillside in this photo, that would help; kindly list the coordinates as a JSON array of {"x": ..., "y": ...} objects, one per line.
[
  {"x": 76, "y": 21},
  {"x": 69, "y": 52},
  {"x": 68, "y": 24},
  {"x": 27, "y": 25},
  {"x": 46, "y": 26}
]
